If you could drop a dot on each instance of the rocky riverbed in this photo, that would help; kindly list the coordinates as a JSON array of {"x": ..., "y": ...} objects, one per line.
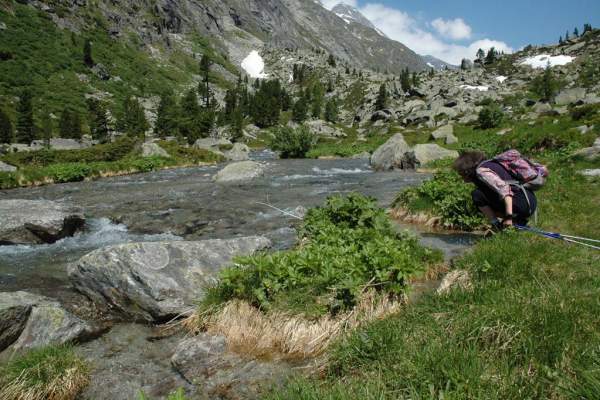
[{"x": 178, "y": 215}]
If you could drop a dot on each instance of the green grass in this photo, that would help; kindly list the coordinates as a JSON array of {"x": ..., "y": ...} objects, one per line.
[
  {"x": 527, "y": 330},
  {"x": 347, "y": 146},
  {"x": 119, "y": 157},
  {"x": 53, "y": 373}
]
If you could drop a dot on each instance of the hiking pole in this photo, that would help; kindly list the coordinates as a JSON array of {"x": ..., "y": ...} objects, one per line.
[{"x": 566, "y": 238}]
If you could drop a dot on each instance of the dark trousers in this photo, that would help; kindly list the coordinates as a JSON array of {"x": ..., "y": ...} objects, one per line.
[{"x": 521, "y": 207}]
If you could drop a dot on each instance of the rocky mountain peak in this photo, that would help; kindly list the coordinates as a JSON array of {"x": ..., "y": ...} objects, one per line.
[{"x": 351, "y": 14}]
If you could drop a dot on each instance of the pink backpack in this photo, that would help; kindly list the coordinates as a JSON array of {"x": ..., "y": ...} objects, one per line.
[{"x": 527, "y": 173}]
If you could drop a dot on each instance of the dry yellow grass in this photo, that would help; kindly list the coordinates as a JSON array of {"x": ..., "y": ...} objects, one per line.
[
  {"x": 64, "y": 387},
  {"x": 252, "y": 332},
  {"x": 421, "y": 218}
]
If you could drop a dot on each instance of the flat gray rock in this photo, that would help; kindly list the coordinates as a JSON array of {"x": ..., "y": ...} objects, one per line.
[
  {"x": 153, "y": 150},
  {"x": 159, "y": 280},
  {"x": 239, "y": 152},
  {"x": 28, "y": 321},
  {"x": 37, "y": 221},
  {"x": 4, "y": 167},
  {"x": 426, "y": 153}
]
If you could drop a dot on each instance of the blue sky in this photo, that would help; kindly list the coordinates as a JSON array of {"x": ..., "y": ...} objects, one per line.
[{"x": 452, "y": 29}]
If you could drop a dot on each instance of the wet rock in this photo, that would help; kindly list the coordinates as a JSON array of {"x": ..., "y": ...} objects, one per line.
[
  {"x": 37, "y": 221},
  {"x": 28, "y": 321},
  {"x": 392, "y": 154},
  {"x": 239, "y": 152},
  {"x": 365, "y": 155},
  {"x": 426, "y": 153},
  {"x": 153, "y": 150},
  {"x": 204, "y": 361},
  {"x": 457, "y": 279},
  {"x": 4, "y": 167},
  {"x": 240, "y": 172},
  {"x": 156, "y": 281},
  {"x": 570, "y": 96},
  {"x": 126, "y": 362}
]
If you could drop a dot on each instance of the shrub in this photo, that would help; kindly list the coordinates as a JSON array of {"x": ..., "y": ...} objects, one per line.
[
  {"x": 347, "y": 244},
  {"x": 72, "y": 172},
  {"x": 445, "y": 196},
  {"x": 189, "y": 154},
  {"x": 490, "y": 116},
  {"x": 583, "y": 112},
  {"x": 292, "y": 143},
  {"x": 50, "y": 373}
]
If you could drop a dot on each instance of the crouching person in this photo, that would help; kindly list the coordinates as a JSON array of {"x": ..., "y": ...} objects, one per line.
[{"x": 498, "y": 195}]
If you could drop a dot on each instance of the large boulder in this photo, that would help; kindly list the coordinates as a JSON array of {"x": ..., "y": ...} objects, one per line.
[
  {"x": 381, "y": 115},
  {"x": 570, "y": 96},
  {"x": 589, "y": 153},
  {"x": 426, "y": 153},
  {"x": 153, "y": 150},
  {"x": 4, "y": 167},
  {"x": 212, "y": 144},
  {"x": 239, "y": 152},
  {"x": 37, "y": 221},
  {"x": 392, "y": 154},
  {"x": 442, "y": 132},
  {"x": 205, "y": 361},
  {"x": 240, "y": 172},
  {"x": 321, "y": 128},
  {"x": 159, "y": 280},
  {"x": 28, "y": 320}
]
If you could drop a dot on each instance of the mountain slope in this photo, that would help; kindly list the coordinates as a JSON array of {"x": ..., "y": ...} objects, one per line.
[{"x": 436, "y": 63}]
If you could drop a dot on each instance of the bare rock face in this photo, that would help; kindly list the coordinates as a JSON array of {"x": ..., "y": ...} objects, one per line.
[
  {"x": 153, "y": 150},
  {"x": 37, "y": 221},
  {"x": 392, "y": 154},
  {"x": 205, "y": 361},
  {"x": 28, "y": 320},
  {"x": 156, "y": 281}
]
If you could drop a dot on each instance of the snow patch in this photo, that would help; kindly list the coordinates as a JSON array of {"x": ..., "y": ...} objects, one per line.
[
  {"x": 430, "y": 65},
  {"x": 254, "y": 65},
  {"x": 480, "y": 88},
  {"x": 501, "y": 78},
  {"x": 545, "y": 60}
]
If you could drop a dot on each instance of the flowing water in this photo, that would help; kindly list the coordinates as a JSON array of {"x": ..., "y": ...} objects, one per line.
[{"x": 185, "y": 204}]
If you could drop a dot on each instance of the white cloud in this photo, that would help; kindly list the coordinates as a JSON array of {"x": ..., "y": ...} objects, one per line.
[
  {"x": 329, "y": 4},
  {"x": 400, "y": 26},
  {"x": 455, "y": 29}
]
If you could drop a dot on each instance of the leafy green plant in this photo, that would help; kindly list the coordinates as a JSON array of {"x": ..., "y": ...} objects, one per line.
[
  {"x": 348, "y": 244},
  {"x": 445, "y": 196},
  {"x": 72, "y": 172},
  {"x": 292, "y": 142}
]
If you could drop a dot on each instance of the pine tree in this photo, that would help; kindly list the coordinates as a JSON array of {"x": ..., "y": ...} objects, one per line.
[
  {"x": 87, "y": 54},
  {"x": 490, "y": 58},
  {"x": 560, "y": 40},
  {"x": 76, "y": 131},
  {"x": 567, "y": 35},
  {"x": 190, "y": 113},
  {"x": 331, "y": 61},
  {"x": 415, "y": 79},
  {"x": 317, "y": 101},
  {"x": 347, "y": 70},
  {"x": 576, "y": 32},
  {"x": 133, "y": 120},
  {"x": 205, "y": 64},
  {"x": 587, "y": 28},
  {"x": 329, "y": 86},
  {"x": 46, "y": 129},
  {"x": 405, "y": 80},
  {"x": 480, "y": 54},
  {"x": 237, "y": 125},
  {"x": 382, "y": 98},
  {"x": 300, "y": 109},
  {"x": 98, "y": 121},
  {"x": 545, "y": 85},
  {"x": 25, "y": 128},
  {"x": 64, "y": 123},
  {"x": 331, "y": 111},
  {"x": 6, "y": 128}
]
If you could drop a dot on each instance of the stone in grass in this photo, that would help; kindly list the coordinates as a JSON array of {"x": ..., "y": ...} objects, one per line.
[{"x": 457, "y": 279}]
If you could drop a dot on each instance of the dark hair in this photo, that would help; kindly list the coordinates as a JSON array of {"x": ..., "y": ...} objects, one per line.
[{"x": 467, "y": 162}]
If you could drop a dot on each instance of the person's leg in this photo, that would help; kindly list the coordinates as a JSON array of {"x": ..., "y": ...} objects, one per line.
[
  {"x": 482, "y": 202},
  {"x": 524, "y": 207}
]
